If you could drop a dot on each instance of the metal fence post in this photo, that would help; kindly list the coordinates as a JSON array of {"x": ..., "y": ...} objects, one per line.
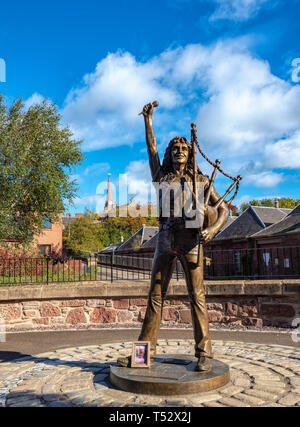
[
  {"x": 47, "y": 259},
  {"x": 111, "y": 269},
  {"x": 90, "y": 267}
]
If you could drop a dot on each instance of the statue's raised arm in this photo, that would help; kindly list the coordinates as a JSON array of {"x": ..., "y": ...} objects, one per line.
[{"x": 154, "y": 161}]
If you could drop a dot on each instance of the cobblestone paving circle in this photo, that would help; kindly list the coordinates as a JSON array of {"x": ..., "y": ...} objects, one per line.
[{"x": 261, "y": 375}]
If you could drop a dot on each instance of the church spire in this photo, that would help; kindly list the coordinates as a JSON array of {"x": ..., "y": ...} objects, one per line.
[{"x": 109, "y": 201}]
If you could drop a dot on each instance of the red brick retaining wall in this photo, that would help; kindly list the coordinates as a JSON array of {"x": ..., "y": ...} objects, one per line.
[{"x": 264, "y": 303}]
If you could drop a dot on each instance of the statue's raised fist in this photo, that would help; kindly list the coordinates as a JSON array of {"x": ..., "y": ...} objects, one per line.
[{"x": 148, "y": 109}]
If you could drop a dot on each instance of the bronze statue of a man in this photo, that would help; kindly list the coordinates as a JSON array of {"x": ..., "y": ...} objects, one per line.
[{"x": 177, "y": 241}]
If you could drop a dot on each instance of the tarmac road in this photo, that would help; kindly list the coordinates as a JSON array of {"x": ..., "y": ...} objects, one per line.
[{"x": 31, "y": 343}]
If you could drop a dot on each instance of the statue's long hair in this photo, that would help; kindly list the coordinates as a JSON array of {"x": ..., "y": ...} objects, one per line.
[{"x": 167, "y": 164}]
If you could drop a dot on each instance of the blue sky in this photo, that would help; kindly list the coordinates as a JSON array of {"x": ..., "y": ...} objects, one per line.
[{"x": 227, "y": 65}]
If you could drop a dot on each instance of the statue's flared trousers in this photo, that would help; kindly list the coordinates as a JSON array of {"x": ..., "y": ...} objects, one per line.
[{"x": 182, "y": 245}]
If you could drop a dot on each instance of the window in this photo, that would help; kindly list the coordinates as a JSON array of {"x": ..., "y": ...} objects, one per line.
[
  {"x": 44, "y": 249},
  {"x": 237, "y": 261},
  {"x": 286, "y": 263},
  {"x": 266, "y": 257},
  {"x": 47, "y": 223}
]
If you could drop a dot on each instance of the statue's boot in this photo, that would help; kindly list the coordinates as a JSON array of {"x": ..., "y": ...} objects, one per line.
[
  {"x": 203, "y": 364},
  {"x": 126, "y": 361}
]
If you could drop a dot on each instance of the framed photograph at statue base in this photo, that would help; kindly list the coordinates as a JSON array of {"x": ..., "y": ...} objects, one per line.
[{"x": 140, "y": 357}]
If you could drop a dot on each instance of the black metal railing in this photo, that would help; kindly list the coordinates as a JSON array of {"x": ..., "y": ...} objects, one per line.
[
  {"x": 46, "y": 270},
  {"x": 264, "y": 263},
  {"x": 115, "y": 267},
  {"x": 245, "y": 263}
]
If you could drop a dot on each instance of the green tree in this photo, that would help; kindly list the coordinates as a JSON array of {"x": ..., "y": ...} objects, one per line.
[
  {"x": 83, "y": 234},
  {"x": 284, "y": 202},
  {"x": 268, "y": 203},
  {"x": 36, "y": 156},
  {"x": 245, "y": 205},
  {"x": 287, "y": 202},
  {"x": 113, "y": 228},
  {"x": 91, "y": 233},
  {"x": 254, "y": 203}
]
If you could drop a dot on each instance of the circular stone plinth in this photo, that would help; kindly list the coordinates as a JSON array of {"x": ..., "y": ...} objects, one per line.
[
  {"x": 262, "y": 375},
  {"x": 170, "y": 374}
]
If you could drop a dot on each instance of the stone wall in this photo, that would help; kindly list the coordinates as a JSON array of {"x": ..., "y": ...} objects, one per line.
[{"x": 246, "y": 303}]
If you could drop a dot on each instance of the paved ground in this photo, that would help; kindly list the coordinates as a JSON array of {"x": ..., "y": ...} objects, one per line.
[
  {"x": 261, "y": 375},
  {"x": 32, "y": 343}
]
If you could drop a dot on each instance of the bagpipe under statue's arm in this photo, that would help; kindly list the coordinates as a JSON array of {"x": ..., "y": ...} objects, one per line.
[
  {"x": 216, "y": 209},
  {"x": 216, "y": 217}
]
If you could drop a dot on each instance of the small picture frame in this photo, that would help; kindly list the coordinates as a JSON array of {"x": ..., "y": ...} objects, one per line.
[{"x": 140, "y": 357}]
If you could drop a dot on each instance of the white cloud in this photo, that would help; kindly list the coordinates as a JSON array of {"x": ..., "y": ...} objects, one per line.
[
  {"x": 285, "y": 153},
  {"x": 237, "y": 10},
  {"x": 89, "y": 201},
  {"x": 242, "y": 110},
  {"x": 256, "y": 175},
  {"x": 265, "y": 179},
  {"x": 138, "y": 179},
  {"x": 96, "y": 169},
  {"x": 105, "y": 110},
  {"x": 243, "y": 199},
  {"x": 134, "y": 182},
  {"x": 247, "y": 105},
  {"x": 232, "y": 10},
  {"x": 36, "y": 98}
]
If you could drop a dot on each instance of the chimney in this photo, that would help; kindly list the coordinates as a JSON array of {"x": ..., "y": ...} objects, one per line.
[
  {"x": 276, "y": 203},
  {"x": 122, "y": 239},
  {"x": 68, "y": 215}
]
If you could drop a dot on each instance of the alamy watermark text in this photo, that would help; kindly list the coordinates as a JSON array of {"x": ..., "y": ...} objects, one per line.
[
  {"x": 296, "y": 70},
  {"x": 2, "y": 71}
]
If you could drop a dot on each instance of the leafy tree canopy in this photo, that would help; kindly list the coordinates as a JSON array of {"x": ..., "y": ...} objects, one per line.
[
  {"x": 91, "y": 233},
  {"x": 36, "y": 156},
  {"x": 284, "y": 202}
]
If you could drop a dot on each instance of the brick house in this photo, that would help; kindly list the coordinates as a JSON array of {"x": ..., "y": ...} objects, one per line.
[
  {"x": 50, "y": 240},
  {"x": 232, "y": 250},
  {"x": 279, "y": 246},
  {"x": 239, "y": 249},
  {"x": 237, "y": 230}
]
